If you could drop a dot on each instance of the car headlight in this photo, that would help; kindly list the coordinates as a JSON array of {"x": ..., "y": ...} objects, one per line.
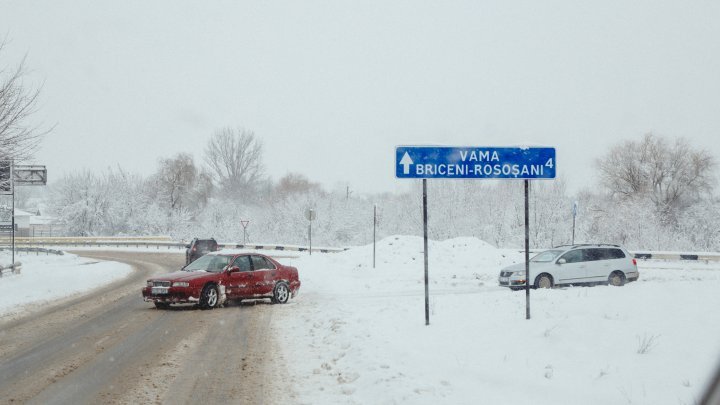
[
  {"x": 519, "y": 274},
  {"x": 181, "y": 284},
  {"x": 149, "y": 283}
]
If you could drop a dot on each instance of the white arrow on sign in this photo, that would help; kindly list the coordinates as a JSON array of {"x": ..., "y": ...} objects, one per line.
[{"x": 406, "y": 162}]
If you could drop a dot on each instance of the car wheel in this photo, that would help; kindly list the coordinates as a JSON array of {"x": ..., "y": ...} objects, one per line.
[
  {"x": 209, "y": 297},
  {"x": 544, "y": 281},
  {"x": 162, "y": 305},
  {"x": 281, "y": 293},
  {"x": 616, "y": 279}
]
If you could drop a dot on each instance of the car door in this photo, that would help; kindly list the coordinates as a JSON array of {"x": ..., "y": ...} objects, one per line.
[
  {"x": 241, "y": 283},
  {"x": 573, "y": 270},
  {"x": 264, "y": 274},
  {"x": 599, "y": 264}
]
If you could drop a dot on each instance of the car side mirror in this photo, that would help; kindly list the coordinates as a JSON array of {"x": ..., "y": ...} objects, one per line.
[
  {"x": 562, "y": 261},
  {"x": 234, "y": 269}
]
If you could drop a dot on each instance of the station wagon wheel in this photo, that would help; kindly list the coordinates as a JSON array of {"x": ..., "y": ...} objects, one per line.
[
  {"x": 616, "y": 279},
  {"x": 544, "y": 281},
  {"x": 209, "y": 297},
  {"x": 281, "y": 293}
]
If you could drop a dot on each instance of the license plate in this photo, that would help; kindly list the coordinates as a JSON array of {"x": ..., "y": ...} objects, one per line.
[
  {"x": 504, "y": 279},
  {"x": 160, "y": 290}
]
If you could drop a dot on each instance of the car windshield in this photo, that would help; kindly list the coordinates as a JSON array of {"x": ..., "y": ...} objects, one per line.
[
  {"x": 546, "y": 256},
  {"x": 205, "y": 245},
  {"x": 211, "y": 263}
]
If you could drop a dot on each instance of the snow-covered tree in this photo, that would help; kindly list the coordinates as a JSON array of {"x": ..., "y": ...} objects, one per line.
[{"x": 19, "y": 138}]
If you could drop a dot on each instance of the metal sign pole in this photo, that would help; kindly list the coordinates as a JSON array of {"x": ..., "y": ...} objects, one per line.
[
  {"x": 12, "y": 214},
  {"x": 244, "y": 225},
  {"x": 574, "y": 212},
  {"x": 425, "y": 243},
  {"x": 527, "y": 251}
]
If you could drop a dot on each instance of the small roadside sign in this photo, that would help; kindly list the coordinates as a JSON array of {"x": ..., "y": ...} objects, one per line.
[
  {"x": 310, "y": 214},
  {"x": 474, "y": 162}
]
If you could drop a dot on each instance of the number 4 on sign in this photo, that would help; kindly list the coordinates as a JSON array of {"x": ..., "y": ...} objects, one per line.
[{"x": 549, "y": 163}]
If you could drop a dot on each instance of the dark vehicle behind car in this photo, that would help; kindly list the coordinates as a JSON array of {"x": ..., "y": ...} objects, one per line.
[{"x": 198, "y": 248}]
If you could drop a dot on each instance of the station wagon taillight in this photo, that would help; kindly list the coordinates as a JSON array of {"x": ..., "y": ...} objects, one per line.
[{"x": 634, "y": 262}]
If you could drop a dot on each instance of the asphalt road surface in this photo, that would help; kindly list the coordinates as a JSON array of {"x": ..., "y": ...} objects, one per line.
[{"x": 109, "y": 346}]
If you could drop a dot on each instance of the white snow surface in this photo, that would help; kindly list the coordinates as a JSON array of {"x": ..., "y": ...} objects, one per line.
[
  {"x": 45, "y": 278},
  {"x": 357, "y": 335}
]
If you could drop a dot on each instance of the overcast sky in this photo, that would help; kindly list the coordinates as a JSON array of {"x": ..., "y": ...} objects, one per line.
[{"x": 331, "y": 87}]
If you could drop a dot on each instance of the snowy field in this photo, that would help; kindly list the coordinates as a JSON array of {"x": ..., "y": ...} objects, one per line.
[
  {"x": 45, "y": 278},
  {"x": 357, "y": 335}
]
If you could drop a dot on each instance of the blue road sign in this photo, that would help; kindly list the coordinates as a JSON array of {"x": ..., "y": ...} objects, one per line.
[{"x": 474, "y": 162}]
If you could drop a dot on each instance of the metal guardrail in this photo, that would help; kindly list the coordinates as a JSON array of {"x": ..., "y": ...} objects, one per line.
[
  {"x": 37, "y": 250},
  {"x": 280, "y": 247},
  {"x": 165, "y": 242},
  {"x": 701, "y": 257},
  {"x": 138, "y": 242},
  {"x": 14, "y": 268}
]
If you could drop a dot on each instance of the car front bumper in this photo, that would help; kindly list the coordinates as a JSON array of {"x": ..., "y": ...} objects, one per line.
[
  {"x": 176, "y": 295},
  {"x": 511, "y": 282}
]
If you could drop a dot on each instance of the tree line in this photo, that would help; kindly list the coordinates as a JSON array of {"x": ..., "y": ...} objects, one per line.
[{"x": 653, "y": 193}]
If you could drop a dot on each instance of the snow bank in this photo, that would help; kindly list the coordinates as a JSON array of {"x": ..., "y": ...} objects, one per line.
[
  {"x": 49, "y": 277},
  {"x": 357, "y": 334}
]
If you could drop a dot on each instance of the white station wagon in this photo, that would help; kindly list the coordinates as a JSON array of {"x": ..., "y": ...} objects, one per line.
[{"x": 574, "y": 265}]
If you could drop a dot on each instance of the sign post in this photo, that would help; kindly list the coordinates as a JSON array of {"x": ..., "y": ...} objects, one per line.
[
  {"x": 6, "y": 188},
  {"x": 244, "y": 225},
  {"x": 310, "y": 214},
  {"x": 425, "y": 255},
  {"x": 527, "y": 249},
  {"x": 475, "y": 162},
  {"x": 12, "y": 175},
  {"x": 574, "y": 211}
]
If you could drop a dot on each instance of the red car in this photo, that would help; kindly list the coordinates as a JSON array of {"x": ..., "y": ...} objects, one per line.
[{"x": 222, "y": 276}]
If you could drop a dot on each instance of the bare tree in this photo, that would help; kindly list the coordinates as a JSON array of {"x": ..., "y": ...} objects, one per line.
[
  {"x": 18, "y": 138},
  {"x": 175, "y": 179},
  {"x": 672, "y": 175},
  {"x": 234, "y": 157}
]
